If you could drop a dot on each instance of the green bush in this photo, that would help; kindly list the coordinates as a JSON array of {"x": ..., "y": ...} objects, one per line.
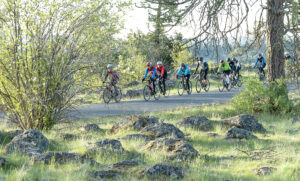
[{"x": 256, "y": 97}]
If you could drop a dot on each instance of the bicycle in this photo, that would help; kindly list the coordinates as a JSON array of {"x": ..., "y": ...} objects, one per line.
[
  {"x": 182, "y": 86},
  {"x": 149, "y": 91},
  {"x": 260, "y": 74},
  {"x": 222, "y": 84},
  {"x": 111, "y": 92},
  {"x": 236, "y": 80},
  {"x": 201, "y": 83}
]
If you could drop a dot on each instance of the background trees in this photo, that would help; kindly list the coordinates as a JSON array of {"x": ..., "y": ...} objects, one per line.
[{"x": 45, "y": 46}]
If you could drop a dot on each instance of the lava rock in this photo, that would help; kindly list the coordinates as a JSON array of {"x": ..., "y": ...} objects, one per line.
[
  {"x": 162, "y": 130},
  {"x": 198, "y": 122},
  {"x": 134, "y": 123},
  {"x": 245, "y": 121},
  {"x": 239, "y": 133}
]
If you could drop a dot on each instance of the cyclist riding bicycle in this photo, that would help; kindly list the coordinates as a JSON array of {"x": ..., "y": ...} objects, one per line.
[
  {"x": 113, "y": 74},
  {"x": 225, "y": 67},
  {"x": 153, "y": 74},
  {"x": 204, "y": 68},
  {"x": 232, "y": 66},
  {"x": 260, "y": 60},
  {"x": 238, "y": 67},
  {"x": 163, "y": 76},
  {"x": 184, "y": 69}
]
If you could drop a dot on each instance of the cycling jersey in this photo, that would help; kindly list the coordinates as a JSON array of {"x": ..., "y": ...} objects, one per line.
[
  {"x": 204, "y": 66},
  {"x": 185, "y": 71},
  {"x": 152, "y": 70},
  {"x": 224, "y": 67},
  {"x": 261, "y": 61},
  {"x": 162, "y": 70},
  {"x": 114, "y": 76}
]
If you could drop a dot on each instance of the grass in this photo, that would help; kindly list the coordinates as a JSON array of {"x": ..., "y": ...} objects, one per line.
[{"x": 219, "y": 158}]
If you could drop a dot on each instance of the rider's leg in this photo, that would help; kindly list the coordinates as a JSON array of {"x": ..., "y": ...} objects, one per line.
[
  {"x": 153, "y": 84},
  {"x": 188, "y": 81},
  {"x": 205, "y": 76},
  {"x": 164, "y": 85}
]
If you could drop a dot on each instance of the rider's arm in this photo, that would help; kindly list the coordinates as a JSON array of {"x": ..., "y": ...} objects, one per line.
[
  {"x": 179, "y": 71},
  {"x": 220, "y": 67},
  {"x": 146, "y": 73},
  {"x": 105, "y": 77},
  {"x": 256, "y": 63},
  {"x": 154, "y": 72},
  {"x": 162, "y": 72},
  {"x": 198, "y": 64}
]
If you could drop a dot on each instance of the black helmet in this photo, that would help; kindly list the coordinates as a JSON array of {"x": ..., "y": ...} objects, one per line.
[
  {"x": 201, "y": 59},
  {"x": 222, "y": 61},
  {"x": 229, "y": 59},
  {"x": 260, "y": 54},
  {"x": 182, "y": 65}
]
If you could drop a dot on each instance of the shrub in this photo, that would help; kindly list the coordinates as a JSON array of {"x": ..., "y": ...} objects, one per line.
[{"x": 256, "y": 97}]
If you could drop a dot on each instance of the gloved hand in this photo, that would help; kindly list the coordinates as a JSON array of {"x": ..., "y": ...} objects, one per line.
[{"x": 143, "y": 79}]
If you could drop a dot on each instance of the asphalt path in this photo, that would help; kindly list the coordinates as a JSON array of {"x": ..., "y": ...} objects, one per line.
[{"x": 141, "y": 106}]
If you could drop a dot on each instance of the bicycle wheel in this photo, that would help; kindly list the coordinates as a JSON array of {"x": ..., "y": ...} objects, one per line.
[
  {"x": 180, "y": 88},
  {"x": 198, "y": 85},
  {"x": 147, "y": 93},
  {"x": 206, "y": 88},
  {"x": 191, "y": 88},
  {"x": 240, "y": 81},
  {"x": 229, "y": 86},
  {"x": 221, "y": 85},
  {"x": 157, "y": 95},
  {"x": 118, "y": 94},
  {"x": 107, "y": 95},
  {"x": 168, "y": 90}
]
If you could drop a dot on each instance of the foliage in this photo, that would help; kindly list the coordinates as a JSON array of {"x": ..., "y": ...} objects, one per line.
[
  {"x": 46, "y": 47},
  {"x": 259, "y": 98},
  {"x": 181, "y": 54}
]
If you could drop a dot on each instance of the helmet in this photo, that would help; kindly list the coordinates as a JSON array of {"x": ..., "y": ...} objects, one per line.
[
  {"x": 286, "y": 53},
  {"x": 159, "y": 63},
  {"x": 149, "y": 63},
  {"x": 234, "y": 59},
  {"x": 109, "y": 66},
  {"x": 260, "y": 54},
  {"x": 182, "y": 65},
  {"x": 229, "y": 59},
  {"x": 201, "y": 59},
  {"x": 222, "y": 61}
]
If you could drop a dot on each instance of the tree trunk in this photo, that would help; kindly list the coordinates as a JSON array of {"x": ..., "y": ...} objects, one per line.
[{"x": 275, "y": 32}]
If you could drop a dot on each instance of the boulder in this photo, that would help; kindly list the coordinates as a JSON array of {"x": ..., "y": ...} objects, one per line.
[
  {"x": 125, "y": 165},
  {"x": 212, "y": 134},
  {"x": 12, "y": 134},
  {"x": 68, "y": 136},
  {"x": 132, "y": 83},
  {"x": 170, "y": 83},
  {"x": 168, "y": 171},
  {"x": 245, "y": 121},
  {"x": 177, "y": 148},
  {"x": 3, "y": 162},
  {"x": 31, "y": 142},
  {"x": 91, "y": 127},
  {"x": 134, "y": 93},
  {"x": 198, "y": 122},
  {"x": 239, "y": 133},
  {"x": 137, "y": 137},
  {"x": 162, "y": 130},
  {"x": 134, "y": 123},
  {"x": 102, "y": 174},
  {"x": 61, "y": 158},
  {"x": 294, "y": 120},
  {"x": 106, "y": 145},
  {"x": 264, "y": 171}
]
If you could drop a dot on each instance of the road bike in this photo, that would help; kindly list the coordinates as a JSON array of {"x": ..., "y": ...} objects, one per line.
[
  {"x": 260, "y": 74},
  {"x": 236, "y": 80},
  {"x": 182, "y": 86},
  {"x": 201, "y": 83},
  {"x": 110, "y": 92},
  {"x": 149, "y": 91},
  {"x": 223, "y": 84}
]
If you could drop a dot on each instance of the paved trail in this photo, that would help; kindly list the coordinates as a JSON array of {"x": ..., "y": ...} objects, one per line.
[{"x": 140, "y": 106}]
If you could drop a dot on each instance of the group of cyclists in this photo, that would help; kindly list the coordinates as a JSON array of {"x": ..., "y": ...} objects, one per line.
[{"x": 231, "y": 67}]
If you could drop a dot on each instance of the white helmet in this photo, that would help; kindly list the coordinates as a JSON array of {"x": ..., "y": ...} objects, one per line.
[
  {"x": 159, "y": 63},
  {"x": 109, "y": 66}
]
